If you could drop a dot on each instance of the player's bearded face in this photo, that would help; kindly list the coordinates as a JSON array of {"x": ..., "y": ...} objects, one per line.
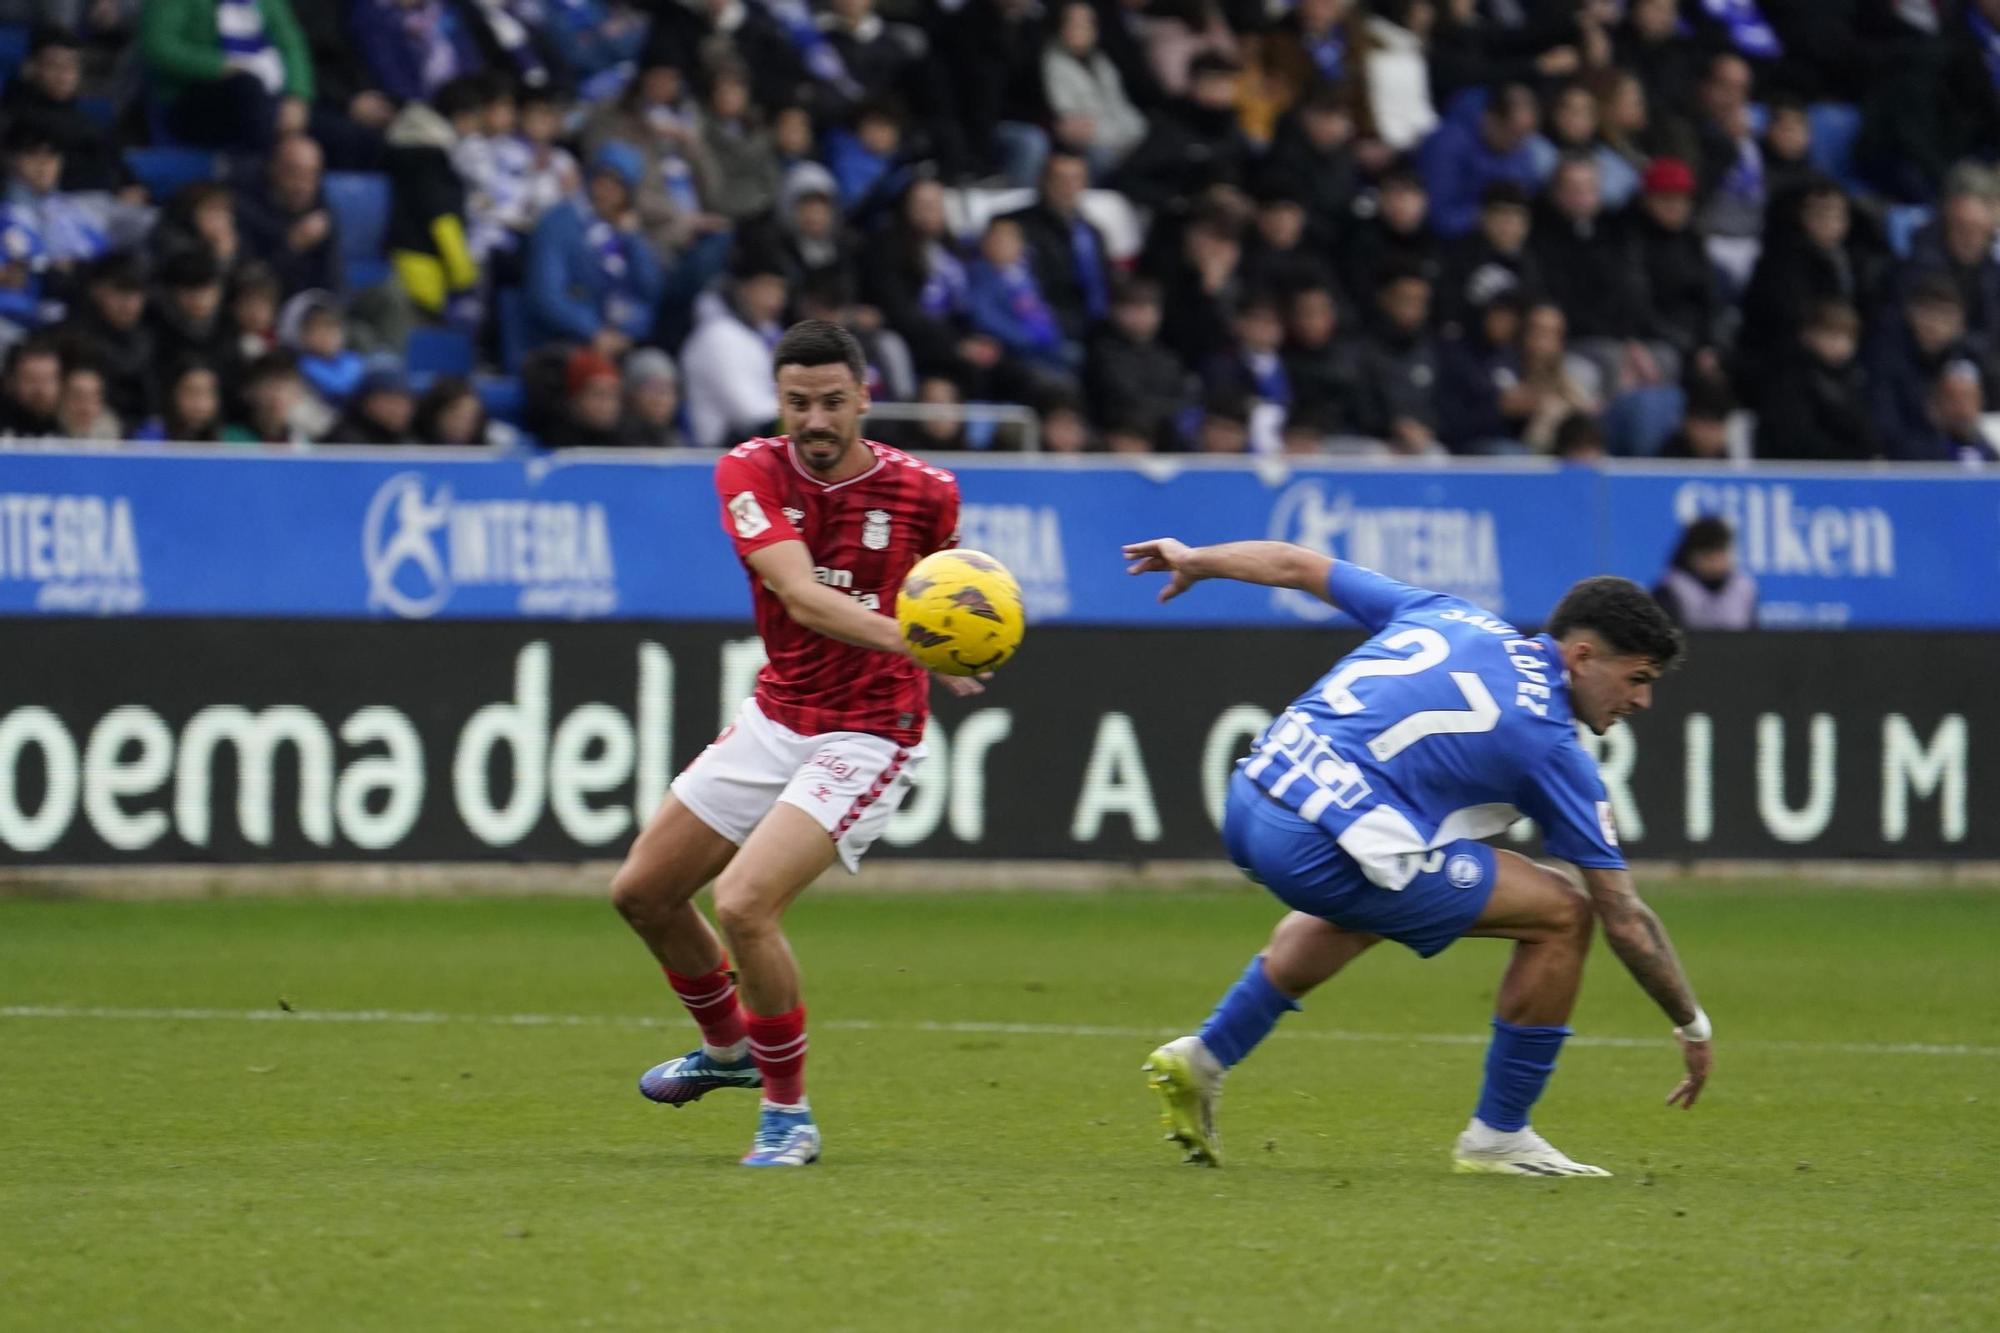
[{"x": 822, "y": 407}]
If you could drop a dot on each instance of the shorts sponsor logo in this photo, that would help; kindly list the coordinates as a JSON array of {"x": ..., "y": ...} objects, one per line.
[
  {"x": 419, "y": 546},
  {"x": 1464, "y": 871}
]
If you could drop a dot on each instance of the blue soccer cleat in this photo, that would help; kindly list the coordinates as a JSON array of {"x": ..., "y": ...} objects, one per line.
[
  {"x": 693, "y": 1076},
  {"x": 785, "y": 1137}
]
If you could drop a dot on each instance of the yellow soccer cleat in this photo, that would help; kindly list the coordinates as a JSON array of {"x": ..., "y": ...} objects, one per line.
[{"x": 1189, "y": 1082}]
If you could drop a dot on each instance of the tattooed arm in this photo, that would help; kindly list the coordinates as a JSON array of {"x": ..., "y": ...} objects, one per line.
[{"x": 1640, "y": 941}]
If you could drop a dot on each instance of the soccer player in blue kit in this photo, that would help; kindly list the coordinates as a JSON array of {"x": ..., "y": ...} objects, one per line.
[{"x": 1362, "y": 805}]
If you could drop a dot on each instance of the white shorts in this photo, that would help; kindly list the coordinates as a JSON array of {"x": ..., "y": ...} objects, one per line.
[{"x": 850, "y": 781}]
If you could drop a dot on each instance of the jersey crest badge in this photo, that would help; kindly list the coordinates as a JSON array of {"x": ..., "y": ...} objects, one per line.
[
  {"x": 875, "y": 529},
  {"x": 748, "y": 516},
  {"x": 795, "y": 517}
]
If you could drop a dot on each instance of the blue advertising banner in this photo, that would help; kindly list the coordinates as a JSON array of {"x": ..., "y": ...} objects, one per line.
[{"x": 445, "y": 535}]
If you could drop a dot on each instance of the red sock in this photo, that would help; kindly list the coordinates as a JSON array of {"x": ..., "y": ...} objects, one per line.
[
  {"x": 778, "y": 1045},
  {"x": 711, "y": 1000}
]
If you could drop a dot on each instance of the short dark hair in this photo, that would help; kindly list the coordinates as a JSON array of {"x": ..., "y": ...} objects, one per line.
[
  {"x": 1621, "y": 613},
  {"x": 1707, "y": 533},
  {"x": 35, "y": 345},
  {"x": 1578, "y": 432},
  {"x": 816, "y": 342}
]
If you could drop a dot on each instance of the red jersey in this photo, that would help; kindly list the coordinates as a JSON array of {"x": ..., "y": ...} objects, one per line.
[{"x": 864, "y": 534}]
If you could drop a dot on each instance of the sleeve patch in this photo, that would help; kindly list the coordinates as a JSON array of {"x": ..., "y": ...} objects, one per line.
[
  {"x": 748, "y": 515},
  {"x": 1606, "y": 824}
]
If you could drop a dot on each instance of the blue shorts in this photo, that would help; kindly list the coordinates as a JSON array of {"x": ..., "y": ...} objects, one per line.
[{"x": 1309, "y": 872}]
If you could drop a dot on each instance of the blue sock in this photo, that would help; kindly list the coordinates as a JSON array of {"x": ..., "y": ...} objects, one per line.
[
  {"x": 1518, "y": 1065},
  {"x": 1246, "y": 1015}
]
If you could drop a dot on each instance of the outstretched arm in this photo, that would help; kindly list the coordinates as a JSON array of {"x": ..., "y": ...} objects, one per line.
[
  {"x": 787, "y": 570},
  {"x": 1635, "y": 934},
  {"x": 1271, "y": 564}
]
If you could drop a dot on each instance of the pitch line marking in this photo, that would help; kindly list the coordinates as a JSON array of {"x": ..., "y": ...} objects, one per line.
[{"x": 434, "y": 1018}]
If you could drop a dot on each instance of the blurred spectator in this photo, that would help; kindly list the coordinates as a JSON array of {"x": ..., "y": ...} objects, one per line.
[
  {"x": 253, "y": 304},
  {"x": 379, "y": 411},
  {"x": 1813, "y": 405},
  {"x": 1584, "y": 263},
  {"x": 1395, "y": 72},
  {"x": 272, "y": 394},
  {"x": 1399, "y": 366},
  {"x": 1625, "y": 128},
  {"x": 23, "y": 306},
  {"x": 1064, "y": 429},
  {"x": 231, "y": 74},
  {"x": 1397, "y": 239},
  {"x": 686, "y": 34},
  {"x": 1555, "y": 384},
  {"x": 1960, "y": 243},
  {"x": 1786, "y": 147},
  {"x": 429, "y": 230},
  {"x": 889, "y": 373},
  {"x": 1279, "y": 257},
  {"x": 1493, "y": 260},
  {"x": 656, "y": 122},
  {"x": 860, "y": 51},
  {"x": 1731, "y": 168},
  {"x": 994, "y": 53},
  {"x": 1086, "y": 94},
  {"x": 450, "y": 413},
  {"x": 914, "y": 274},
  {"x": 596, "y": 41},
  {"x": 108, "y": 329},
  {"x": 1309, "y": 430},
  {"x": 652, "y": 402},
  {"x": 1322, "y": 367},
  {"x": 1071, "y": 264},
  {"x": 1313, "y": 151},
  {"x": 313, "y": 329},
  {"x": 932, "y": 434},
  {"x": 1670, "y": 68},
  {"x": 1204, "y": 287},
  {"x": 186, "y": 313},
  {"x": 66, "y": 229},
  {"x": 1253, "y": 371},
  {"x": 1476, "y": 372},
  {"x": 1907, "y": 350},
  {"x": 412, "y": 48},
  {"x": 201, "y": 217},
  {"x": 591, "y": 278},
  {"x": 82, "y": 412},
  {"x": 31, "y": 391},
  {"x": 739, "y": 147},
  {"x": 1682, "y": 297},
  {"x": 1469, "y": 155},
  {"x": 1191, "y": 143},
  {"x": 1132, "y": 380},
  {"x": 591, "y": 403},
  {"x": 866, "y": 157},
  {"x": 1307, "y": 49},
  {"x": 190, "y": 407},
  {"x": 286, "y": 222},
  {"x": 727, "y": 360},
  {"x": 545, "y": 173},
  {"x": 805, "y": 234},
  {"x": 1704, "y": 430},
  {"x": 1006, "y": 304},
  {"x": 1957, "y": 419},
  {"x": 349, "y": 110},
  {"x": 1225, "y": 426},
  {"x": 1702, "y": 587},
  {"x": 1579, "y": 440},
  {"x": 43, "y": 96},
  {"x": 1573, "y": 131},
  {"x": 1806, "y": 260}
]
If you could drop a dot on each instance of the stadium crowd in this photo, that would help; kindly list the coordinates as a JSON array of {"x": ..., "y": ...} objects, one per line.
[{"x": 1399, "y": 227}]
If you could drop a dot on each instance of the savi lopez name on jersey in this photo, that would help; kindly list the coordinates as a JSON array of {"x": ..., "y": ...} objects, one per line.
[{"x": 1447, "y": 723}]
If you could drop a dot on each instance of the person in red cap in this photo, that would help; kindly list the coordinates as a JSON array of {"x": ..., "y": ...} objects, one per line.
[
  {"x": 591, "y": 402},
  {"x": 1686, "y": 305}
]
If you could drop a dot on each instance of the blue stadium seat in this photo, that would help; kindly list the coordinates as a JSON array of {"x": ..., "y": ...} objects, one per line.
[
  {"x": 13, "y": 50},
  {"x": 439, "y": 352},
  {"x": 1903, "y": 224},
  {"x": 165, "y": 170},
  {"x": 359, "y": 202},
  {"x": 361, "y": 274},
  {"x": 1835, "y": 126},
  {"x": 502, "y": 396}
]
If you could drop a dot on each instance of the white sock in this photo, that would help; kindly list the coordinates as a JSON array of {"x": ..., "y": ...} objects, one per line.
[
  {"x": 1485, "y": 1136},
  {"x": 1203, "y": 1059},
  {"x": 792, "y": 1108},
  {"x": 731, "y": 1054}
]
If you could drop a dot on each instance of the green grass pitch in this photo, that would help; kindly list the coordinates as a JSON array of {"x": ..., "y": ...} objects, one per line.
[{"x": 444, "y": 1133}]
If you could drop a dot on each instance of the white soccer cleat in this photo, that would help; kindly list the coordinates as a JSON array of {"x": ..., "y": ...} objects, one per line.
[
  {"x": 1484, "y": 1151},
  {"x": 1189, "y": 1081}
]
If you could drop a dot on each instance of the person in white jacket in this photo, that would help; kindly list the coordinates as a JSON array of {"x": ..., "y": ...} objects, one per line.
[
  {"x": 726, "y": 363},
  {"x": 1093, "y": 115},
  {"x": 1397, "y": 75}
]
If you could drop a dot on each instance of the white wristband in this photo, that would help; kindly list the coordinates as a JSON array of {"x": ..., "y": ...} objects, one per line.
[{"x": 1697, "y": 1028}]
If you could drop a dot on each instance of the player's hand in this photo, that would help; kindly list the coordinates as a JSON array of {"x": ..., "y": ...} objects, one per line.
[
  {"x": 1164, "y": 555},
  {"x": 1700, "y": 1055},
  {"x": 963, "y": 687}
]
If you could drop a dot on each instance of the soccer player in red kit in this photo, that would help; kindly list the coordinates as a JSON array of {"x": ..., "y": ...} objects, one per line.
[{"x": 827, "y": 525}]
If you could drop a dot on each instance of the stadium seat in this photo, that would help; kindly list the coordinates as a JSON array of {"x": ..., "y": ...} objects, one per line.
[
  {"x": 163, "y": 171},
  {"x": 361, "y": 274},
  {"x": 359, "y": 202},
  {"x": 502, "y": 396},
  {"x": 1903, "y": 223},
  {"x": 1835, "y": 126},
  {"x": 13, "y": 50},
  {"x": 439, "y": 352}
]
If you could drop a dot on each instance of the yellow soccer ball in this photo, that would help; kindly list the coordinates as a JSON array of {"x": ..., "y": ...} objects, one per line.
[{"x": 960, "y": 612}]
